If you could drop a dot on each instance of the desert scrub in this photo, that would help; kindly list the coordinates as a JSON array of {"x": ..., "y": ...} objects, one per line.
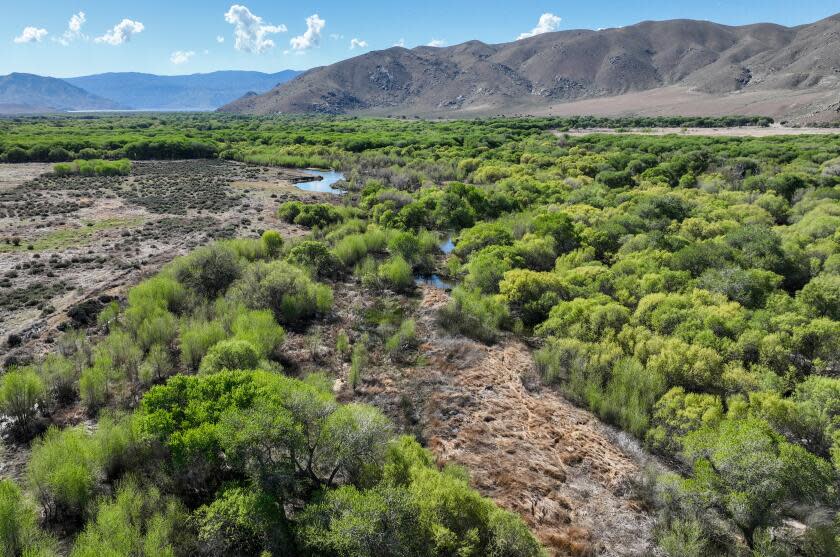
[{"x": 73, "y": 236}]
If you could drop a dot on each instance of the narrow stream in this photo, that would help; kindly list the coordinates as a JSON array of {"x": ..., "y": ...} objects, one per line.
[{"x": 435, "y": 280}]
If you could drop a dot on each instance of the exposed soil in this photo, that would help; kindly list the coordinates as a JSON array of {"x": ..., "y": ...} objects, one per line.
[
  {"x": 525, "y": 446},
  {"x": 73, "y": 240}
]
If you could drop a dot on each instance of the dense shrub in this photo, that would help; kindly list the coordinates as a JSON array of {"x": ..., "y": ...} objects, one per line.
[
  {"x": 139, "y": 521},
  {"x": 19, "y": 531},
  {"x": 310, "y": 215},
  {"x": 62, "y": 472},
  {"x": 230, "y": 354},
  {"x": 474, "y": 315},
  {"x": 314, "y": 255},
  {"x": 209, "y": 271},
  {"x": 93, "y": 167},
  {"x": 21, "y": 392},
  {"x": 283, "y": 288}
]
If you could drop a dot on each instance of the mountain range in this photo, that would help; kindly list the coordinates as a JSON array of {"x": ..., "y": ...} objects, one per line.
[
  {"x": 22, "y": 93},
  {"x": 179, "y": 92},
  {"x": 682, "y": 67}
]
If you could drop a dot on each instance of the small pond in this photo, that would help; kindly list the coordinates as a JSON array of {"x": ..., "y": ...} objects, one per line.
[
  {"x": 325, "y": 184},
  {"x": 435, "y": 281}
]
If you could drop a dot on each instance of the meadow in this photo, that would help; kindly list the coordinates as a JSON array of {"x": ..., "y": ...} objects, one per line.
[{"x": 685, "y": 290}]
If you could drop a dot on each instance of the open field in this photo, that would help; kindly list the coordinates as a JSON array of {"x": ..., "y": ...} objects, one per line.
[{"x": 71, "y": 240}]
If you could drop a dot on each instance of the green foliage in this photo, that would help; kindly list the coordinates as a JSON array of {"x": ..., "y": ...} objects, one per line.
[
  {"x": 230, "y": 354},
  {"x": 21, "y": 391},
  {"x": 473, "y": 314},
  {"x": 208, "y": 271},
  {"x": 19, "y": 531},
  {"x": 402, "y": 341},
  {"x": 415, "y": 510},
  {"x": 822, "y": 296},
  {"x": 342, "y": 344},
  {"x": 358, "y": 361},
  {"x": 238, "y": 522},
  {"x": 746, "y": 468},
  {"x": 396, "y": 274},
  {"x": 95, "y": 167},
  {"x": 93, "y": 386},
  {"x": 310, "y": 215},
  {"x": 314, "y": 255},
  {"x": 60, "y": 375},
  {"x": 273, "y": 242},
  {"x": 289, "y": 292},
  {"x": 197, "y": 336},
  {"x": 532, "y": 294},
  {"x": 62, "y": 472},
  {"x": 259, "y": 328},
  {"x": 139, "y": 521}
]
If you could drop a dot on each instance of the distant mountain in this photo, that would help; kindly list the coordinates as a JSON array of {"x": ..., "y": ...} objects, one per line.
[
  {"x": 179, "y": 92},
  {"x": 693, "y": 67},
  {"x": 21, "y": 92}
]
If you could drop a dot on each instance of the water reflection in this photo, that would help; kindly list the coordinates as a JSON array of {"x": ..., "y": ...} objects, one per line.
[
  {"x": 324, "y": 185},
  {"x": 434, "y": 281},
  {"x": 447, "y": 246}
]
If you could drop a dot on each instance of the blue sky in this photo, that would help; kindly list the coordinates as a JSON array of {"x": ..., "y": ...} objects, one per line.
[{"x": 52, "y": 37}]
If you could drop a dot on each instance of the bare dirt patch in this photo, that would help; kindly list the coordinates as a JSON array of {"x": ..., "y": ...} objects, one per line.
[
  {"x": 69, "y": 240},
  {"x": 525, "y": 446}
]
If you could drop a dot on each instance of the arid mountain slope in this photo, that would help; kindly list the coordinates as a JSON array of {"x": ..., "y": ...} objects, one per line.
[
  {"x": 537, "y": 74},
  {"x": 21, "y": 92}
]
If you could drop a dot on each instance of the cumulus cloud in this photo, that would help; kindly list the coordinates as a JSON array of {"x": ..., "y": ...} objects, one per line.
[
  {"x": 220, "y": 39},
  {"x": 121, "y": 32},
  {"x": 74, "y": 29},
  {"x": 400, "y": 42},
  {"x": 181, "y": 56},
  {"x": 312, "y": 36},
  {"x": 249, "y": 30},
  {"x": 31, "y": 35},
  {"x": 548, "y": 22},
  {"x": 357, "y": 43},
  {"x": 437, "y": 43}
]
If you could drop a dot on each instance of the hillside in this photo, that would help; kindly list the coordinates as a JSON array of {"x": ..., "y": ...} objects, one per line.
[
  {"x": 21, "y": 92},
  {"x": 696, "y": 67},
  {"x": 179, "y": 92}
]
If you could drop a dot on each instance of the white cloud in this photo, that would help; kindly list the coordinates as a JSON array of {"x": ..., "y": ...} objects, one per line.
[
  {"x": 400, "y": 42},
  {"x": 249, "y": 30},
  {"x": 31, "y": 35},
  {"x": 437, "y": 43},
  {"x": 121, "y": 32},
  {"x": 312, "y": 36},
  {"x": 357, "y": 43},
  {"x": 181, "y": 56},
  {"x": 74, "y": 29},
  {"x": 548, "y": 22},
  {"x": 336, "y": 36},
  {"x": 220, "y": 39}
]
